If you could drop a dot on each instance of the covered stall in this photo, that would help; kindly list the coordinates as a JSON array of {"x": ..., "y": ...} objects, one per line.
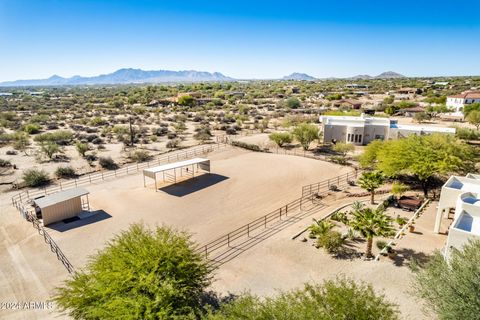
[
  {"x": 171, "y": 172},
  {"x": 62, "y": 205}
]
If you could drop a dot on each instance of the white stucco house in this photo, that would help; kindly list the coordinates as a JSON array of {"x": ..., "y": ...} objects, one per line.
[
  {"x": 461, "y": 194},
  {"x": 458, "y": 102},
  {"x": 364, "y": 129}
]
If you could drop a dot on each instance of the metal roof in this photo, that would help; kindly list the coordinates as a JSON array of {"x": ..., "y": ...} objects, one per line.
[
  {"x": 174, "y": 165},
  {"x": 59, "y": 197}
]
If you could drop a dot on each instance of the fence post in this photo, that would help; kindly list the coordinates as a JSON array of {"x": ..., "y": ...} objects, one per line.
[
  {"x": 248, "y": 230},
  {"x": 265, "y": 221},
  {"x": 228, "y": 239}
]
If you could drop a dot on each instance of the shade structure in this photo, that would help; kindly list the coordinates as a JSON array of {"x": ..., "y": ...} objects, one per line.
[
  {"x": 61, "y": 205},
  {"x": 170, "y": 172}
]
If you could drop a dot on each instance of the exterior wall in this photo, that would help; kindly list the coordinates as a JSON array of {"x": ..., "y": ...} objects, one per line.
[
  {"x": 455, "y": 103},
  {"x": 338, "y": 133},
  {"x": 373, "y": 132},
  {"x": 458, "y": 238},
  {"x": 63, "y": 210}
]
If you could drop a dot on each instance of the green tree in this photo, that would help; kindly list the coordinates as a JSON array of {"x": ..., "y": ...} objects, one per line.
[
  {"x": 398, "y": 189},
  {"x": 421, "y": 117},
  {"x": 423, "y": 157},
  {"x": 450, "y": 287},
  {"x": 371, "y": 223},
  {"x": 293, "y": 103},
  {"x": 49, "y": 149},
  {"x": 21, "y": 141},
  {"x": 474, "y": 118},
  {"x": 371, "y": 181},
  {"x": 281, "y": 138},
  {"x": 471, "y": 107},
  {"x": 82, "y": 148},
  {"x": 186, "y": 100},
  {"x": 305, "y": 133},
  {"x": 140, "y": 274},
  {"x": 337, "y": 299}
]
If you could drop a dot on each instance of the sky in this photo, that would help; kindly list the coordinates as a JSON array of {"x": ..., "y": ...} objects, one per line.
[{"x": 242, "y": 39}]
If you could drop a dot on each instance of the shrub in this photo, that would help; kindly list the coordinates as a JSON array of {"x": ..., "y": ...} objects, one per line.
[
  {"x": 333, "y": 187},
  {"x": 32, "y": 128},
  {"x": 140, "y": 156},
  {"x": 381, "y": 244},
  {"x": 62, "y": 137},
  {"x": 172, "y": 144},
  {"x": 332, "y": 300},
  {"x": 139, "y": 274},
  {"x": 467, "y": 134},
  {"x": 35, "y": 178},
  {"x": 231, "y": 131},
  {"x": 49, "y": 149},
  {"x": 332, "y": 241},
  {"x": 107, "y": 163},
  {"x": 82, "y": 148},
  {"x": 5, "y": 163},
  {"x": 320, "y": 227},
  {"x": 248, "y": 146},
  {"x": 340, "y": 217},
  {"x": 281, "y": 138},
  {"x": 65, "y": 172}
]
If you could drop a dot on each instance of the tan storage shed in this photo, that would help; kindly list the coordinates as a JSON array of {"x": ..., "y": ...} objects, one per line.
[{"x": 62, "y": 205}]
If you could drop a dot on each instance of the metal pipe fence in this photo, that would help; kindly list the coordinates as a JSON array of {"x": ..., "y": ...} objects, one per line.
[
  {"x": 104, "y": 175},
  {"x": 20, "y": 200},
  {"x": 343, "y": 179},
  {"x": 225, "y": 241}
]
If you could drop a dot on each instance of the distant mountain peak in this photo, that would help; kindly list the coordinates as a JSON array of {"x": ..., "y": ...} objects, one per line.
[
  {"x": 125, "y": 76},
  {"x": 299, "y": 76},
  {"x": 389, "y": 75}
]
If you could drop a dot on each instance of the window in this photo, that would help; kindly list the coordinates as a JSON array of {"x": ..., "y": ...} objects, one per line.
[
  {"x": 348, "y": 137},
  {"x": 359, "y": 138}
]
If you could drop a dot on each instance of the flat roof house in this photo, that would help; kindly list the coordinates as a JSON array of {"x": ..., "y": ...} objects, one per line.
[
  {"x": 364, "y": 129},
  {"x": 461, "y": 195}
]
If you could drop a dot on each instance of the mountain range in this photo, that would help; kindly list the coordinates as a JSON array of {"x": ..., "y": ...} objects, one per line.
[
  {"x": 132, "y": 76},
  {"x": 383, "y": 75},
  {"x": 125, "y": 76}
]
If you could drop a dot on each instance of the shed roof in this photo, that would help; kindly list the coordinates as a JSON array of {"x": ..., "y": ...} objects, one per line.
[
  {"x": 174, "y": 165},
  {"x": 59, "y": 197}
]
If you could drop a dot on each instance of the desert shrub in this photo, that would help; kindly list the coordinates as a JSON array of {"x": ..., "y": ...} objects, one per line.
[
  {"x": 248, "y": 146},
  {"x": 140, "y": 156},
  {"x": 32, "y": 128},
  {"x": 171, "y": 135},
  {"x": 319, "y": 227},
  {"x": 161, "y": 131},
  {"x": 281, "y": 138},
  {"x": 65, "y": 172},
  {"x": 107, "y": 163},
  {"x": 338, "y": 159},
  {"x": 11, "y": 152},
  {"x": 62, "y": 137},
  {"x": 467, "y": 134},
  {"x": 82, "y": 148},
  {"x": 332, "y": 241},
  {"x": 231, "y": 130},
  {"x": 35, "y": 178},
  {"x": 50, "y": 149},
  {"x": 5, "y": 163},
  {"x": 333, "y": 187},
  {"x": 381, "y": 244},
  {"x": 334, "y": 299},
  {"x": 139, "y": 274},
  {"x": 171, "y": 144},
  {"x": 340, "y": 217}
]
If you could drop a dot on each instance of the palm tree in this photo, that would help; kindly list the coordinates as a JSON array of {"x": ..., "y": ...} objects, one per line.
[
  {"x": 371, "y": 223},
  {"x": 371, "y": 181},
  {"x": 320, "y": 227}
]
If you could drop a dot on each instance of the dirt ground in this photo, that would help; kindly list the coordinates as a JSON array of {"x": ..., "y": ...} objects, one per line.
[
  {"x": 243, "y": 185},
  {"x": 281, "y": 263}
]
